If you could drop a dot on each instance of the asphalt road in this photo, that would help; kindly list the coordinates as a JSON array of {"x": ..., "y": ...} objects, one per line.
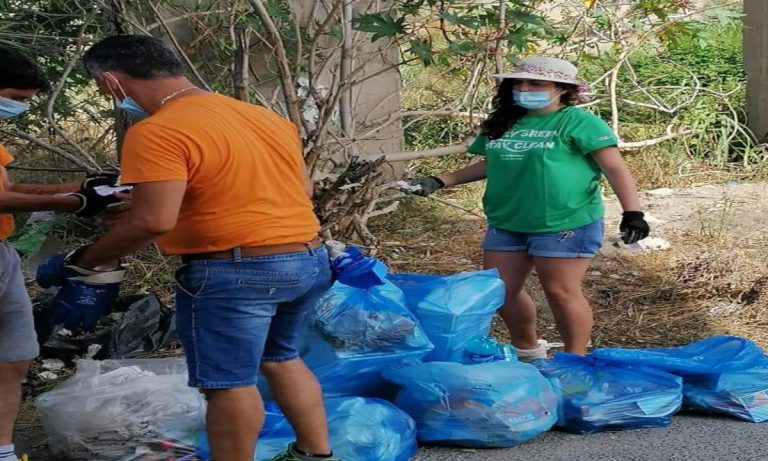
[{"x": 690, "y": 438}]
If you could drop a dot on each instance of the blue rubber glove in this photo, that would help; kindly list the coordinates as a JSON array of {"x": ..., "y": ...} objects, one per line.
[
  {"x": 86, "y": 295},
  {"x": 80, "y": 303}
]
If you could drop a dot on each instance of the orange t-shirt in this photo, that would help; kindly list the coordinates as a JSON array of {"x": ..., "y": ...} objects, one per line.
[
  {"x": 244, "y": 170},
  {"x": 6, "y": 220}
]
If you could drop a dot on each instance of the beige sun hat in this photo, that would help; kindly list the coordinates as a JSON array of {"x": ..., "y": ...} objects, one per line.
[{"x": 549, "y": 69}]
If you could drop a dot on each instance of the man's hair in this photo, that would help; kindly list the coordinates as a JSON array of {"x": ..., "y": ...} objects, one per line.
[
  {"x": 20, "y": 72},
  {"x": 138, "y": 56}
]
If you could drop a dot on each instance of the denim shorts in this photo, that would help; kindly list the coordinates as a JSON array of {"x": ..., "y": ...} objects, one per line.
[
  {"x": 234, "y": 314},
  {"x": 580, "y": 242}
]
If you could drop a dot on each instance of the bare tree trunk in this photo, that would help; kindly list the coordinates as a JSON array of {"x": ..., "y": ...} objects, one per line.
[{"x": 756, "y": 65}]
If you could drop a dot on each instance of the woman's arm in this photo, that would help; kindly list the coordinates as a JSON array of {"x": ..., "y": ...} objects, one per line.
[
  {"x": 470, "y": 173},
  {"x": 618, "y": 175}
]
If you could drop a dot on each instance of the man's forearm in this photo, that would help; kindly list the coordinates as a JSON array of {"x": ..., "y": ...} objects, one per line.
[
  {"x": 122, "y": 240},
  {"x": 11, "y": 202},
  {"x": 45, "y": 189}
]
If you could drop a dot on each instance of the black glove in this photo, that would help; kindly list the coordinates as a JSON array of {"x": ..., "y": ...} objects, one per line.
[
  {"x": 99, "y": 179},
  {"x": 91, "y": 203},
  {"x": 425, "y": 186},
  {"x": 633, "y": 226}
]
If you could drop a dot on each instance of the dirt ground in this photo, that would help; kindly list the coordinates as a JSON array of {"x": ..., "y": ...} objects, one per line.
[{"x": 713, "y": 278}]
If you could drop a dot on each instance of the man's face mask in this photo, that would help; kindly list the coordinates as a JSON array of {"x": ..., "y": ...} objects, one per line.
[
  {"x": 10, "y": 108},
  {"x": 127, "y": 103},
  {"x": 533, "y": 100}
]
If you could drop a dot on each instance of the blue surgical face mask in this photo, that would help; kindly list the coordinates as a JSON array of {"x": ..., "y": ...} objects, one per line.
[
  {"x": 533, "y": 100},
  {"x": 10, "y": 108},
  {"x": 127, "y": 103},
  {"x": 130, "y": 106}
]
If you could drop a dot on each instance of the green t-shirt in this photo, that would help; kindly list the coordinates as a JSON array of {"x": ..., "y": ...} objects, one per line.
[{"x": 541, "y": 177}]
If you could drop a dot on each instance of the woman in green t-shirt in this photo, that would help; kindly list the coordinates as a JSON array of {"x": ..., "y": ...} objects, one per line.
[{"x": 543, "y": 159}]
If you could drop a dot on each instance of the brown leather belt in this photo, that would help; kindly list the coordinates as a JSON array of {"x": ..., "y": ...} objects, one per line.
[{"x": 251, "y": 252}]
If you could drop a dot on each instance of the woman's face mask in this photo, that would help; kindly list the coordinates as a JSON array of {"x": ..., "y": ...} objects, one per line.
[{"x": 534, "y": 100}]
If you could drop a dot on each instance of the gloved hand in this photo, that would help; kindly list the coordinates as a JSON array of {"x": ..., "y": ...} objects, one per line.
[
  {"x": 91, "y": 203},
  {"x": 56, "y": 270},
  {"x": 99, "y": 179},
  {"x": 86, "y": 295},
  {"x": 84, "y": 301},
  {"x": 633, "y": 227},
  {"x": 424, "y": 186}
]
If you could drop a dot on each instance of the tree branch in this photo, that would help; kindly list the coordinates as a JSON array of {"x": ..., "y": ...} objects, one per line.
[{"x": 284, "y": 65}]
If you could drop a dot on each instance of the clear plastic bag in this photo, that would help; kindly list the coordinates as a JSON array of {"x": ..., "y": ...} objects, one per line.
[
  {"x": 596, "y": 395},
  {"x": 123, "y": 410},
  {"x": 494, "y": 404},
  {"x": 452, "y": 309}
]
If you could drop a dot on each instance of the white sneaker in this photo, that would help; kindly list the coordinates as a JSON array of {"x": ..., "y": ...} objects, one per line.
[{"x": 537, "y": 353}]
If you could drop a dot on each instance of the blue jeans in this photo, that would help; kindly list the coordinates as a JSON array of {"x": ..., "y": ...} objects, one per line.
[
  {"x": 579, "y": 242},
  {"x": 234, "y": 314}
]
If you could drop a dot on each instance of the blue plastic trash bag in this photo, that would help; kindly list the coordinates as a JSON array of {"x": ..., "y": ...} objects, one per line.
[
  {"x": 355, "y": 320},
  {"x": 596, "y": 395},
  {"x": 352, "y": 334},
  {"x": 494, "y": 404},
  {"x": 452, "y": 309},
  {"x": 351, "y": 267},
  {"x": 743, "y": 394},
  {"x": 360, "y": 430},
  {"x": 712, "y": 355},
  {"x": 352, "y": 374}
]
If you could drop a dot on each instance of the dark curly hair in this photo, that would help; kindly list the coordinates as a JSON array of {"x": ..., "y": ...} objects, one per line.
[
  {"x": 21, "y": 72},
  {"x": 138, "y": 56},
  {"x": 505, "y": 113}
]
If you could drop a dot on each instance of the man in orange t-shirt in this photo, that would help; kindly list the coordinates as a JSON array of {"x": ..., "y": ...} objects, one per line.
[
  {"x": 20, "y": 80},
  {"x": 221, "y": 183}
]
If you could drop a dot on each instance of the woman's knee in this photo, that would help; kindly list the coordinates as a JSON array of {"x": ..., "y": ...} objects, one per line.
[{"x": 563, "y": 294}]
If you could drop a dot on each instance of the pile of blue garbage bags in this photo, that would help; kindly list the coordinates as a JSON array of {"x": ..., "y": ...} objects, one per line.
[{"x": 407, "y": 358}]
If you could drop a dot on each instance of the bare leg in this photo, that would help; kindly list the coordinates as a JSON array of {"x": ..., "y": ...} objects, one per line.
[
  {"x": 298, "y": 393},
  {"x": 518, "y": 311},
  {"x": 233, "y": 421},
  {"x": 11, "y": 376},
  {"x": 561, "y": 279}
]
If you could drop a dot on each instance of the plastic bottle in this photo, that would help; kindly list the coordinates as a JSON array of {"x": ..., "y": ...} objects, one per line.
[{"x": 481, "y": 349}]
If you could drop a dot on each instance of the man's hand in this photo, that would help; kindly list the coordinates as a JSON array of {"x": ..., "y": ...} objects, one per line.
[
  {"x": 424, "y": 186},
  {"x": 91, "y": 203},
  {"x": 633, "y": 227},
  {"x": 113, "y": 214},
  {"x": 99, "y": 179}
]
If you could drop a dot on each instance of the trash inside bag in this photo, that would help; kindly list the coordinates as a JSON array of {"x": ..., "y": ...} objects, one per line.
[
  {"x": 596, "y": 395},
  {"x": 123, "y": 409},
  {"x": 453, "y": 308},
  {"x": 742, "y": 394},
  {"x": 721, "y": 374},
  {"x": 355, "y": 320},
  {"x": 139, "y": 325},
  {"x": 494, "y": 404},
  {"x": 348, "y": 374},
  {"x": 360, "y": 430},
  {"x": 712, "y": 355}
]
